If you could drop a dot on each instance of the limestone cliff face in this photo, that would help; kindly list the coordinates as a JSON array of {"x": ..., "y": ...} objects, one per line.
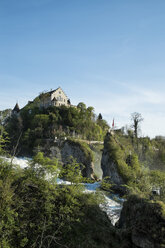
[
  {"x": 78, "y": 150},
  {"x": 97, "y": 151},
  {"x": 108, "y": 163},
  {"x": 143, "y": 222},
  {"x": 81, "y": 153},
  {"x": 110, "y": 169}
]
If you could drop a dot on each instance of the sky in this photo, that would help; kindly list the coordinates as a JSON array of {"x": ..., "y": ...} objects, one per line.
[{"x": 109, "y": 54}]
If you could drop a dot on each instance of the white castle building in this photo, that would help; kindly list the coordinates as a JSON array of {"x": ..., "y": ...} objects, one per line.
[{"x": 54, "y": 98}]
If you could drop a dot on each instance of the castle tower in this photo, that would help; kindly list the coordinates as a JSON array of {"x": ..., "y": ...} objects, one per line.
[{"x": 16, "y": 109}]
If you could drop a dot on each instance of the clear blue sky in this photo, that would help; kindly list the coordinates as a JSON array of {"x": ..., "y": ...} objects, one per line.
[{"x": 107, "y": 53}]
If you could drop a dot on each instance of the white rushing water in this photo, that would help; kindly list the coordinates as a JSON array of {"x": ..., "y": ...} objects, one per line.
[
  {"x": 22, "y": 161},
  {"x": 111, "y": 207}
]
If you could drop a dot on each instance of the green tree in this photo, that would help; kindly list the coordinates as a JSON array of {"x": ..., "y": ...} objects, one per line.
[
  {"x": 44, "y": 167},
  {"x": 81, "y": 106},
  {"x": 71, "y": 171}
]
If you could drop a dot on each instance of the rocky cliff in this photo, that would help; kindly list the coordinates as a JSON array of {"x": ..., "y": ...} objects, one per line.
[
  {"x": 78, "y": 150},
  {"x": 97, "y": 150},
  {"x": 109, "y": 162},
  {"x": 117, "y": 162}
]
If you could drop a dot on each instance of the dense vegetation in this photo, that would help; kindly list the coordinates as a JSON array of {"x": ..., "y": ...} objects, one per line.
[
  {"x": 151, "y": 152},
  {"x": 34, "y": 125},
  {"x": 36, "y": 212},
  {"x": 4, "y": 114},
  {"x": 132, "y": 160}
]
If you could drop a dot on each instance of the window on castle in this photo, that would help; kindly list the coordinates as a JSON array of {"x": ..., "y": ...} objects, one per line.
[{"x": 59, "y": 98}]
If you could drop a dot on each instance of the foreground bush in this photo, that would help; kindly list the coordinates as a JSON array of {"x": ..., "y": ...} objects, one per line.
[{"x": 35, "y": 212}]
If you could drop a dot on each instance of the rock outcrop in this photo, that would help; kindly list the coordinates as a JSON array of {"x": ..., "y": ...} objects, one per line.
[
  {"x": 82, "y": 153},
  {"x": 108, "y": 163},
  {"x": 143, "y": 222},
  {"x": 78, "y": 150},
  {"x": 97, "y": 151}
]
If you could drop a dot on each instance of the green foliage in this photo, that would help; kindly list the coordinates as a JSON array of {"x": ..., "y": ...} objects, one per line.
[
  {"x": 36, "y": 213},
  {"x": 157, "y": 178},
  {"x": 150, "y": 152},
  {"x": 106, "y": 184},
  {"x": 118, "y": 155},
  {"x": 7, "y": 213},
  {"x": 82, "y": 107},
  {"x": 5, "y": 113},
  {"x": 40, "y": 124},
  {"x": 14, "y": 129},
  {"x": 132, "y": 163},
  {"x": 71, "y": 171},
  {"x": 135, "y": 166},
  {"x": 137, "y": 179},
  {"x": 41, "y": 120},
  {"x": 44, "y": 166},
  {"x": 3, "y": 139}
]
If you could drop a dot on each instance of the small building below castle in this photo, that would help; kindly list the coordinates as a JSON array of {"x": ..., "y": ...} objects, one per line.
[{"x": 54, "y": 98}]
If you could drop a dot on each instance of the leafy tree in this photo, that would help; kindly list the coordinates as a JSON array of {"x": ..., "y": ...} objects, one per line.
[
  {"x": 71, "y": 171},
  {"x": 81, "y": 106},
  {"x": 90, "y": 113},
  {"x": 43, "y": 97},
  {"x": 44, "y": 166}
]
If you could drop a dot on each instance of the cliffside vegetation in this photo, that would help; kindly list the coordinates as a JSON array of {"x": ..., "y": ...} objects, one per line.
[
  {"x": 128, "y": 170},
  {"x": 130, "y": 155},
  {"x": 142, "y": 221},
  {"x": 35, "y": 125}
]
